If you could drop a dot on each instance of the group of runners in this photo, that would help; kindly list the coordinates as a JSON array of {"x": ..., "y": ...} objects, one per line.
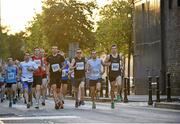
[{"x": 38, "y": 71}]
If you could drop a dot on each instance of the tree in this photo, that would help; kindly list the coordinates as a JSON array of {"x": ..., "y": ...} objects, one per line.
[
  {"x": 35, "y": 35},
  {"x": 16, "y": 44},
  {"x": 115, "y": 26},
  {"x": 68, "y": 21},
  {"x": 11, "y": 45},
  {"x": 4, "y": 45}
]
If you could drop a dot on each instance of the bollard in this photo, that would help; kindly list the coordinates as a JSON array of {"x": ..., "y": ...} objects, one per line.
[
  {"x": 157, "y": 90},
  {"x": 150, "y": 102},
  {"x": 168, "y": 88},
  {"x": 128, "y": 86},
  {"x": 125, "y": 91},
  {"x": 107, "y": 86}
]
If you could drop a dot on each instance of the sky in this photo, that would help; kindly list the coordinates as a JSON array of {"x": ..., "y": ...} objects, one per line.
[{"x": 17, "y": 13}]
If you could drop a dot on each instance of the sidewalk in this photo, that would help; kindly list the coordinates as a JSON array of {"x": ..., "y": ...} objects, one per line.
[{"x": 175, "y": 104}]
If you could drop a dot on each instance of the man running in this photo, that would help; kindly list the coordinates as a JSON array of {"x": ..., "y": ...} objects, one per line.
[
  {"x": 78, "y": 64},
  {"x": 65, "y": 79},
  {"x": 44, "y": 77},
  {"x": 114, "y": 62},
  {"x": 37, "y": 75},
  {"x": 94, "y": 69},
  {"x": 55, "y": 66},
  {"x": 11, "y": 75},
  {"x": 2, "y": 82},
  {"x": 27, "y": 68}
]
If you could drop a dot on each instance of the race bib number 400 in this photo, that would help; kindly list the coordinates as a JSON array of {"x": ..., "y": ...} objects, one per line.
[
  {"x": 11, "y": 76},
  {"x": 38, "y": 62},
  {"x": 115, "y": 66},
  {"x": 55, "y": 67},
  {"x": 80, "y": 66}
]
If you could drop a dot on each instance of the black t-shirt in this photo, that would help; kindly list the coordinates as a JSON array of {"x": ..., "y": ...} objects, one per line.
[
  {"x": 55, "y": 63},
  {"x": 79, "y": 71}
]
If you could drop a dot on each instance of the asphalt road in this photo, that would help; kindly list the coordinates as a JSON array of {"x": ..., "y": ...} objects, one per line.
[{"x": 133, "y": 112}]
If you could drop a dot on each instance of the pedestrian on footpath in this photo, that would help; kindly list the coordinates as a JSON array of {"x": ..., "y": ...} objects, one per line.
[
  {"x": 78, "y": 64},
  {"x": 11, "y": 75},
  {"x": 114, "y": 62},
  {"x": 55, "y": 67},
  {"x": 94, "y": 70},
  {"x": 27, "y": 68}
]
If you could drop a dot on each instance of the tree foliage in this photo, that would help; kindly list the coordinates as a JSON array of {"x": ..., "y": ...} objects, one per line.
[
  {"x": 11, "y": 45},
  {"x": 115, "y": 26},
  {"x": 35, "y": 34},
  {"x": 68, "y": 21}
]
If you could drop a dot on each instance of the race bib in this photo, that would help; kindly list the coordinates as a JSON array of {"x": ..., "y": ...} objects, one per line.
[
  {"x": 80, "y": 66},
  {"x": 11, "y": 76},
  {"x": 55, "y": 67},
  {"x": 115, "y": 66},
  {"x": 64, "y": 74},
  {"x": 38, "y": 62},
  {"x": 30, "y": 79}
]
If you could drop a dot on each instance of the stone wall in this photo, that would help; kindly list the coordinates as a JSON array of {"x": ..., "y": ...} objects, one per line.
[{"x": 172, "y": 40}]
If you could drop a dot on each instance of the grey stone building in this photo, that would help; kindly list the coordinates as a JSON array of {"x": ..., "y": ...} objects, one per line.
[{"x": 156, "y": 43}]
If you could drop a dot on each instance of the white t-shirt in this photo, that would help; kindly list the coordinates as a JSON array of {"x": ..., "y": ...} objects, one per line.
[{"x": 27, "y": 75}]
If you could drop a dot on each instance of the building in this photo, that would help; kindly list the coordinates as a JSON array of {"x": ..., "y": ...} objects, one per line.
[{"x": 156, "y": 43}]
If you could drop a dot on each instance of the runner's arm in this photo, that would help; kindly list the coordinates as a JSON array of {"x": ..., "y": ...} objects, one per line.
[
  {"x": 122, "y": 64},
  {"x": 72, "y": 65},
  {"x": 48, "y": 70},
  {"x": 102, "y": 63},
  {"x": 106, "y": 61},
  {"x": 87, "y": 67}
]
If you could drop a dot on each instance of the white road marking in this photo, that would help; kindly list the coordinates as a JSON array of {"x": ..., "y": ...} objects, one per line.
[
  {"x": 39, "y": 118},
  {"x": 1, "y": 122}
]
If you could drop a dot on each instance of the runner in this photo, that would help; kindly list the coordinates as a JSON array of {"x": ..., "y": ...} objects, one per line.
[
  {"x": 37, "y": 75},
  {"x": 27, "y": 68},
  {"x": 54, "y": 68},
  {"x": 94, "y": 69},
  {"x": 44, "y": 77},
  {"x": 11, "y": 75},
  {"x": 2, "y": 84},
  {"x": 71, "y": 74},
  {"x": 65, "y": 79},
  {"x": 78, "y": 64},
  {"x": 114, "y": 62},
  {"x": 19, "y": 84}
]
